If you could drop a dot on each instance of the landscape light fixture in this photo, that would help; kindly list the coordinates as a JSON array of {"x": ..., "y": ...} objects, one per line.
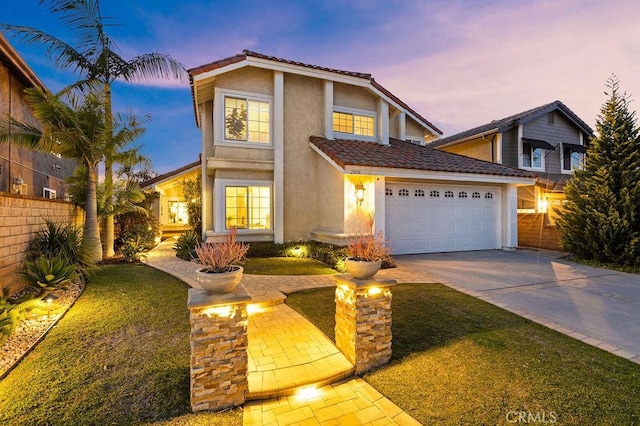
[
  {"x": 49, "y": 298},
  {"x": 360, "y": 193}
]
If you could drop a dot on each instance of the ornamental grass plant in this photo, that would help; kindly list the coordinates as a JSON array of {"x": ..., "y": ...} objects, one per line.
[
  {"x": 369, "y": 246},
  {"x": 219, "y": 257}
]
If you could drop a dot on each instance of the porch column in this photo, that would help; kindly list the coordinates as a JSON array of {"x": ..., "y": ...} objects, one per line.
[{"x": 509, "y": 217}]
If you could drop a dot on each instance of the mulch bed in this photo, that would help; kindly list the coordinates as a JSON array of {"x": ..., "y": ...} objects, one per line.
[{"x": 32, "y": 328}]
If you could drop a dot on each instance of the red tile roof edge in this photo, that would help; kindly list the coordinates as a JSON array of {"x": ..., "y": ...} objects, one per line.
[{"x": 245, "y": 53}]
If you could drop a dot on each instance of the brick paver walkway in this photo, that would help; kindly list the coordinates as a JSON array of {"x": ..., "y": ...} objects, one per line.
[{"x": 287, "y": 352}]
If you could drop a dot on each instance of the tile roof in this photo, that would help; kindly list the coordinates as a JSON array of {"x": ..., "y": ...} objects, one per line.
[
  {"x": 169, "y": 174},
  {"x": 405, "y": 155},
  {"x": 248, "y": 53},
  {"x": 513, "y": 120}
]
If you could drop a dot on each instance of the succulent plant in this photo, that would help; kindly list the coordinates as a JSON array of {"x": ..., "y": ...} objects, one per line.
[{"x": 48, "y": 273}]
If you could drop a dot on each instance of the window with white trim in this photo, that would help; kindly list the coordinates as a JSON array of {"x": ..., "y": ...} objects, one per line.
[
  {"x": 531, "y": 156},
  {"x": 247, "y": 119},
  {"x": 247, "y": 207},
  {"x": 355, "y": 123},
  {"x": 571, "y": 160}
]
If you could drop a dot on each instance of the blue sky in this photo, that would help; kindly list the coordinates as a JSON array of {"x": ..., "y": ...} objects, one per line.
[{"x": 458, "y": 63}]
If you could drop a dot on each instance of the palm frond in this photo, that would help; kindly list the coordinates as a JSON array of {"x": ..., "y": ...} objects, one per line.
[
  {"x": 62, "y": 54},
  {"x": 154, "y": 65}
]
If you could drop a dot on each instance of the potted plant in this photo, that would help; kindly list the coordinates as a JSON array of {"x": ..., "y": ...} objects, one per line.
[
  {"x": 366, "y": 252},
  {"x": 220, "y": 274}
]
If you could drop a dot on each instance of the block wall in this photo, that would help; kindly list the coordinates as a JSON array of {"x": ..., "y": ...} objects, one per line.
[{"x": 20, "y": 218}]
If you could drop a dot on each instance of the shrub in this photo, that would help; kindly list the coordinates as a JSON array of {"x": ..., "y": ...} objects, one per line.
[
  {"x": 186, "y": 244},
  {"x": 48, "y": 273},
  {"x": 219, "y": 257},
  {"x": 132, "y": 248},
  {"x": 57, "y": 240}
]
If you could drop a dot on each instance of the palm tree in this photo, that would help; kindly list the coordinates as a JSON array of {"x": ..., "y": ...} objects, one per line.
[
  {"x": 73, "y": 127},
  {"x": 95, "y": 57}
]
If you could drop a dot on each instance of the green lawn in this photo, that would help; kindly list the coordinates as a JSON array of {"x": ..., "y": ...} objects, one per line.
[
  {"x": 119, "y": 356},
  {"x": 458, "y": 360},
  {"x": 285, "y": 266}
]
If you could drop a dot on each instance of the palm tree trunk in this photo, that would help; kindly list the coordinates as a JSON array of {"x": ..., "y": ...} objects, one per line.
[
  {"x": 109, "y": 225},
  {"x": 91, "y": 235}
]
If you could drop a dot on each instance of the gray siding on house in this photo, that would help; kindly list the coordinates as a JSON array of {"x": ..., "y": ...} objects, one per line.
[
  {"x": 510, "y": 147},
  {"x": 562, "y": 130}
]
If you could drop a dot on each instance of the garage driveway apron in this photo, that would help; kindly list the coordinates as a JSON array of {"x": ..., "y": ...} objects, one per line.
[{"x": 598, "y": 306}]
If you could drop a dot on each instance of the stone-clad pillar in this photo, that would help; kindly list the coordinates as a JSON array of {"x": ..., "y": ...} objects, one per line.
[
  {"x": 363, "y": 321},
  {"x": 218, "y": 349}
]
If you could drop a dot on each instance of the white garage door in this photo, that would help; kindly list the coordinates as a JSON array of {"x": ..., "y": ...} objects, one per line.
[{"x": 423, "y": 218}]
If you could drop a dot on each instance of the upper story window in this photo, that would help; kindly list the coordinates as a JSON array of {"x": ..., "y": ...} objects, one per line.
[
  {"x": 572, "y": 158},
  {"x": 247, "y": 119},
  {"x": 532, "y": 157},
  {"x": 551, "y": 119},
  {"x": 359, "y": 123}
]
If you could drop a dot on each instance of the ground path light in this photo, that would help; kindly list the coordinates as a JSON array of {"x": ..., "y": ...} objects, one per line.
[{"x": 49, "y": 298}]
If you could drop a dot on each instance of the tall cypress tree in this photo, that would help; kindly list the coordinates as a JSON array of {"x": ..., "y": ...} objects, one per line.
[{"x": 601, "y": 219}]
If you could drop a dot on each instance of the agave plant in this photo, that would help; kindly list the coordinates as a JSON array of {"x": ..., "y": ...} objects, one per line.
[{"x": 48, "y": 273}]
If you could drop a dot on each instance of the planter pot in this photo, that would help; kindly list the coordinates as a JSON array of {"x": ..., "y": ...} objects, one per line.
[
  {"x": 219, "y": 282},
  {"x": 362, "y": 269}
]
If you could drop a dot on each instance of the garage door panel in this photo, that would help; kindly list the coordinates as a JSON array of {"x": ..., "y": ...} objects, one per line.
[{"x": 440, "y": 218}]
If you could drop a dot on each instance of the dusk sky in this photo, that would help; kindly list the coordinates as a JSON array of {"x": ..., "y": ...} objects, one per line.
[{"x": 458, "y": 63}]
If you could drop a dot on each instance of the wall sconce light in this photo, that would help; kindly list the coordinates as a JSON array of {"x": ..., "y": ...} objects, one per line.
[
  {"x": 360, "y": 193},
  {"x": 17, "y": 184},
  {"x": 544, "y": 205},
  {"x": 49, "y": 298}
]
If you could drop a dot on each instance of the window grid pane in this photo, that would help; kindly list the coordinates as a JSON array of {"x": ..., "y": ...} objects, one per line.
[
  {"x": 342, "y": 122},
  {"x": 363, "y": 125},
  {"x": 258, "y": 121},
  {"x": 248, "y": 207},
  {"x": 236, "y": 207},
  {"x": 235, "y": 119}
]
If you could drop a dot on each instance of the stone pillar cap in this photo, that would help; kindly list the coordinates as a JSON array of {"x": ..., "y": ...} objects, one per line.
[
  {"x": 199, "y": 298},
  {"x": 358, "y": 284}
]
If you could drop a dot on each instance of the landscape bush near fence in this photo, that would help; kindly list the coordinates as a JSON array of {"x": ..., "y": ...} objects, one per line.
[{"x": 20, "y": 218}]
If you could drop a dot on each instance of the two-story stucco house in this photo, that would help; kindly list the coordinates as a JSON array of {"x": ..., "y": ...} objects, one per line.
[
  {"x": 550, "y": 141},
  {"x": 292, "y": 151}
]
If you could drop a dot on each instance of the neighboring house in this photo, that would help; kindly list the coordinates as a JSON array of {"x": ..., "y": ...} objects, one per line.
[
  {"x": 170, "y": 208},
  {"x": 550, "y": 141},
  {"x": 23, "y": 171},
  {"x": 292, "y": 151}
]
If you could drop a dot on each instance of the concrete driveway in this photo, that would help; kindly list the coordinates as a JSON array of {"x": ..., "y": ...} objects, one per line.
[{"x": 598, "y": 306}]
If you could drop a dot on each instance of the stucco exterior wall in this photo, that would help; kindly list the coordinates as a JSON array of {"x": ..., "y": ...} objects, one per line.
[
  {"x": 353, "y": 97},
  {"x": 413, "y": 129},
  {"x": 20, "y": 218},
  {"x": 247, "y": 79},
  {"x": 247, "y": 154},
  {"x": 330, "y": 200},
  {"x": 479, "y": 148},
  {"x": 303, "y": 117}
]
